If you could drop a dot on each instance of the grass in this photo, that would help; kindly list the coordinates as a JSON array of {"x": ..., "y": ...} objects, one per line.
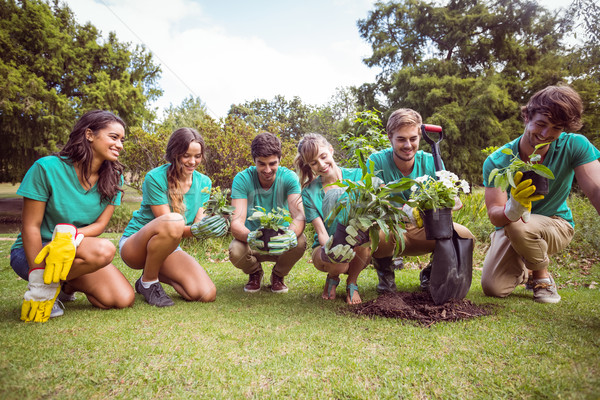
[{"x": 299, "y": 346}]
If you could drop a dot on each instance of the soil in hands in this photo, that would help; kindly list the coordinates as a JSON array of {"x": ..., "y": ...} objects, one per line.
[{"x": 419, "y": 306}]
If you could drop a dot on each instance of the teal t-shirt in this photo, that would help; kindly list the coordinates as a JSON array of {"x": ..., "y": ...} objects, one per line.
[
  {"x": 566, "y": 153},
  {"x": 312, "y": 198},
  {"x": 386, "y": 169},
  {"x": 247, "y": 186},
  {"x": 55, "y": 182},
  {"x": 155, "y": 190}
]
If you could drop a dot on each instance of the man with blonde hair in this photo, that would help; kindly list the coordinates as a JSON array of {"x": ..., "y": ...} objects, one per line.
[{"x": 404, "y": 159}]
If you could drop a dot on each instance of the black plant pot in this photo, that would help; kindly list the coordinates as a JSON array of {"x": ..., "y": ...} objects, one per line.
[
  {"x": 267, "y": 234},
  {"x": 541, "y": 183},
  {"x": 438, "y": 223}
]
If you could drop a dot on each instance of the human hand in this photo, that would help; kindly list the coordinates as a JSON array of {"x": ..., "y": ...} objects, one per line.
[
  {"x": 521, "y": 197},
  {"x": 356, "y": 236},
  {"x": 341, "y": 253},
  {"x": 39, "y": 298},
  {"x": 255, "y": 243},
  {"x": 413, "y": 215},
  {"x": 281, "y": 243},
  {"x": 59, "y": 253},
  {"x": 213, "y": 226}
]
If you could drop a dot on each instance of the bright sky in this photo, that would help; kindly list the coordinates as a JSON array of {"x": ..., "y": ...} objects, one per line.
[{"x": 229, "y": 52}]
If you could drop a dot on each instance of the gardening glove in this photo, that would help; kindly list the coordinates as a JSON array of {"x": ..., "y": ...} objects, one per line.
[
  {"x": 59, "y": 253},
  {"x": 39, "y": 298},
  {"x": 356, "y": 236},
  {"x": 457, "y": 204},
  {"x": 255, "y": 243},
  {"x": 521, "y": 197},
  {"x": 209, "y": 226},
  {"x": 413, "y": 215},
  {"x": 281, "y": 243},
  {"x": 339, "y": 254}
]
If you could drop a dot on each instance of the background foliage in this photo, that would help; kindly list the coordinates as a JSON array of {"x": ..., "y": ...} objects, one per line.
[{"x": 467, "y": 65}]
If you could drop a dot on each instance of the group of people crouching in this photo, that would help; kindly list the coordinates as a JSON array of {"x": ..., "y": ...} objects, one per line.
[{"x": 70, "y": 197}]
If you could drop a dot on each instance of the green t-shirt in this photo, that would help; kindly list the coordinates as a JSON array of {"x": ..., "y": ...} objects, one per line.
[
  {"x": 312, "y": 198},
  {"x": 386, "y": 169},
  {"x": 247, "y": 186},
  {"x": 155, "y": 191},
  {"x": 55, "y": 182},
  {"x": 566, "y": 153}
]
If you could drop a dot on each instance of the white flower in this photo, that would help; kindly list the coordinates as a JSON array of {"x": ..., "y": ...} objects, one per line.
[
  {"x": 422, "y": 179},
  {"x": 447, "y": 183},
  {"x": 414, "y": 188},
  {"x": 465, "y": 186}
]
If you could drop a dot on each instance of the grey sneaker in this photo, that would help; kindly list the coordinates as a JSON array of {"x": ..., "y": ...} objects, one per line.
[
  {"x": 155, "y": 295},
  {"x": 424, "y": 277},
  {"x": 277, "y": 285},
  {"x": 544, "y": 290},
  {"x": 57, "y": 309},
  {"x": 63, "y": 296},
  {"x": 254, "y": 280}
]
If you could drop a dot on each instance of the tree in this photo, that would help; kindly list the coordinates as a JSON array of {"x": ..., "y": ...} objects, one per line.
[
  {"x": 468, "y": 66},
  {"x": 52, "y": 71},
  {"x": 290, "y": 119}
]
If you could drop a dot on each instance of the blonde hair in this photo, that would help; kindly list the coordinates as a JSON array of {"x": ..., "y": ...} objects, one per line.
[
  {"x": 308, "y": 149},
  {"x": 403, "y": 117}
]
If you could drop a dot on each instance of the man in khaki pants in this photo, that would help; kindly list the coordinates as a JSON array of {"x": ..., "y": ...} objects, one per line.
[
  {"x": 270, "y": 186},
  {"x": 531, "y": 227}
]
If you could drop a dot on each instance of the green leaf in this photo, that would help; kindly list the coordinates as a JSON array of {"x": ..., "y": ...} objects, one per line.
[{"x": 542, "y": 170}]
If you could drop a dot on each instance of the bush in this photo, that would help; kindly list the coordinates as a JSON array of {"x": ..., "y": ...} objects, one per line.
[{"x": 119, "y": 219}]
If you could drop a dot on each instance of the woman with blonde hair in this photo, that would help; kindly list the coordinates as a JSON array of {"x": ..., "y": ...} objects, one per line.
[
  {"x": 171, "y": 209},
  {"x": 317, "y": 169}
]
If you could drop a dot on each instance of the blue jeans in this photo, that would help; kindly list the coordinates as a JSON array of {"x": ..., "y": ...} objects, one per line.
[{"x": 19, "y": 263}]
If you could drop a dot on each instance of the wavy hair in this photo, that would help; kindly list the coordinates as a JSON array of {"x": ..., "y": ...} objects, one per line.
[
  {"x": 78, "y": 150},
  {"x": 178, "y": 145},
  {"x": 562, "y": 105},
  {"x": 308, "y": 149}
]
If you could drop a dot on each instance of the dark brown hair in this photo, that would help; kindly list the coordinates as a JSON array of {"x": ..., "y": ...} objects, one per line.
[
  {"x": 562, "y": 105},
  {"x": 78, "y": 150},
  {"x": 265, "y": 144},
  {"x": 178, "y": 145}
]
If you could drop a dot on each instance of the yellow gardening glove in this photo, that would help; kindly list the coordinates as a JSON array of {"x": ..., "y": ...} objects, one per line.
[
  {"x": 39, "y": 298},
  {"x": 59, "y": 253},
  {"x": 521, "y": 197}
]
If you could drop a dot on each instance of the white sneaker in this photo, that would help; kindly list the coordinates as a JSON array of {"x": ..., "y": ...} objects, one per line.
[
  {"x": 544, "y": 290},
  {"x": 62, "y": 296},
  {"x": 57, "y": 309}
]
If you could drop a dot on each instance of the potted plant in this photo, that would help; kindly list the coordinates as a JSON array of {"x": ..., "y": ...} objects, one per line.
[
  {"x": 366, "y": 206},
  {"x": 538, "y": 173},
  {"x": 271, "y": 223},
  {"x": 216, "y": 209},
  {"x": 434, "y": 198}
]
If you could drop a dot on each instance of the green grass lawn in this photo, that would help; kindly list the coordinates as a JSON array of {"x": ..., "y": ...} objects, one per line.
[{"x": 297, "y": 345}]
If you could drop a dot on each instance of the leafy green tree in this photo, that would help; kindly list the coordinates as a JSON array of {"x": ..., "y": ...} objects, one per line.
[
  {"x": 289, "y": 119},
  {"x": 468, "y": 66},
  {"x": 53, "y": 70}
]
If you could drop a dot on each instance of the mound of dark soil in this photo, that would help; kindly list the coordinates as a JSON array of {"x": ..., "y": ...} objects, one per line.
[{"x": 419, "y": 306}]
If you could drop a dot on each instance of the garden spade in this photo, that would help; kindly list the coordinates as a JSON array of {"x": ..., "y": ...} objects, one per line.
[{"x": 452, "y": 264}]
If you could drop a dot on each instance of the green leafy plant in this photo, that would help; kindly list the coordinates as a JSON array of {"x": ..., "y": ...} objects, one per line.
[
  {"x": 275, "y": 219},
  {"x": 503, "y": 177},
  {"x": 367, "y": 205},
  {"x": 429, "y": 193},
  {"x": 218, "y": 204},
  {"x": 367, "y": 134}
]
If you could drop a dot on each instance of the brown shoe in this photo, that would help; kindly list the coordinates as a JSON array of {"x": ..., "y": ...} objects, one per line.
[
  {"x": 254, "y": 280},
  {"x": 277, "y": 285}
]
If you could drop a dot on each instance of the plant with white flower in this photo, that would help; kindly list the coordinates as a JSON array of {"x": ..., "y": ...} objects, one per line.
[{"x": 428, "y": 192}]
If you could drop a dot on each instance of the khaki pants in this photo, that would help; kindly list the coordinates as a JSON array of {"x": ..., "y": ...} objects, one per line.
[
  {"x": 520, "y": 246},
  {"x": 242, "y": 256},
  {"x": 415, "y": 243}
]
